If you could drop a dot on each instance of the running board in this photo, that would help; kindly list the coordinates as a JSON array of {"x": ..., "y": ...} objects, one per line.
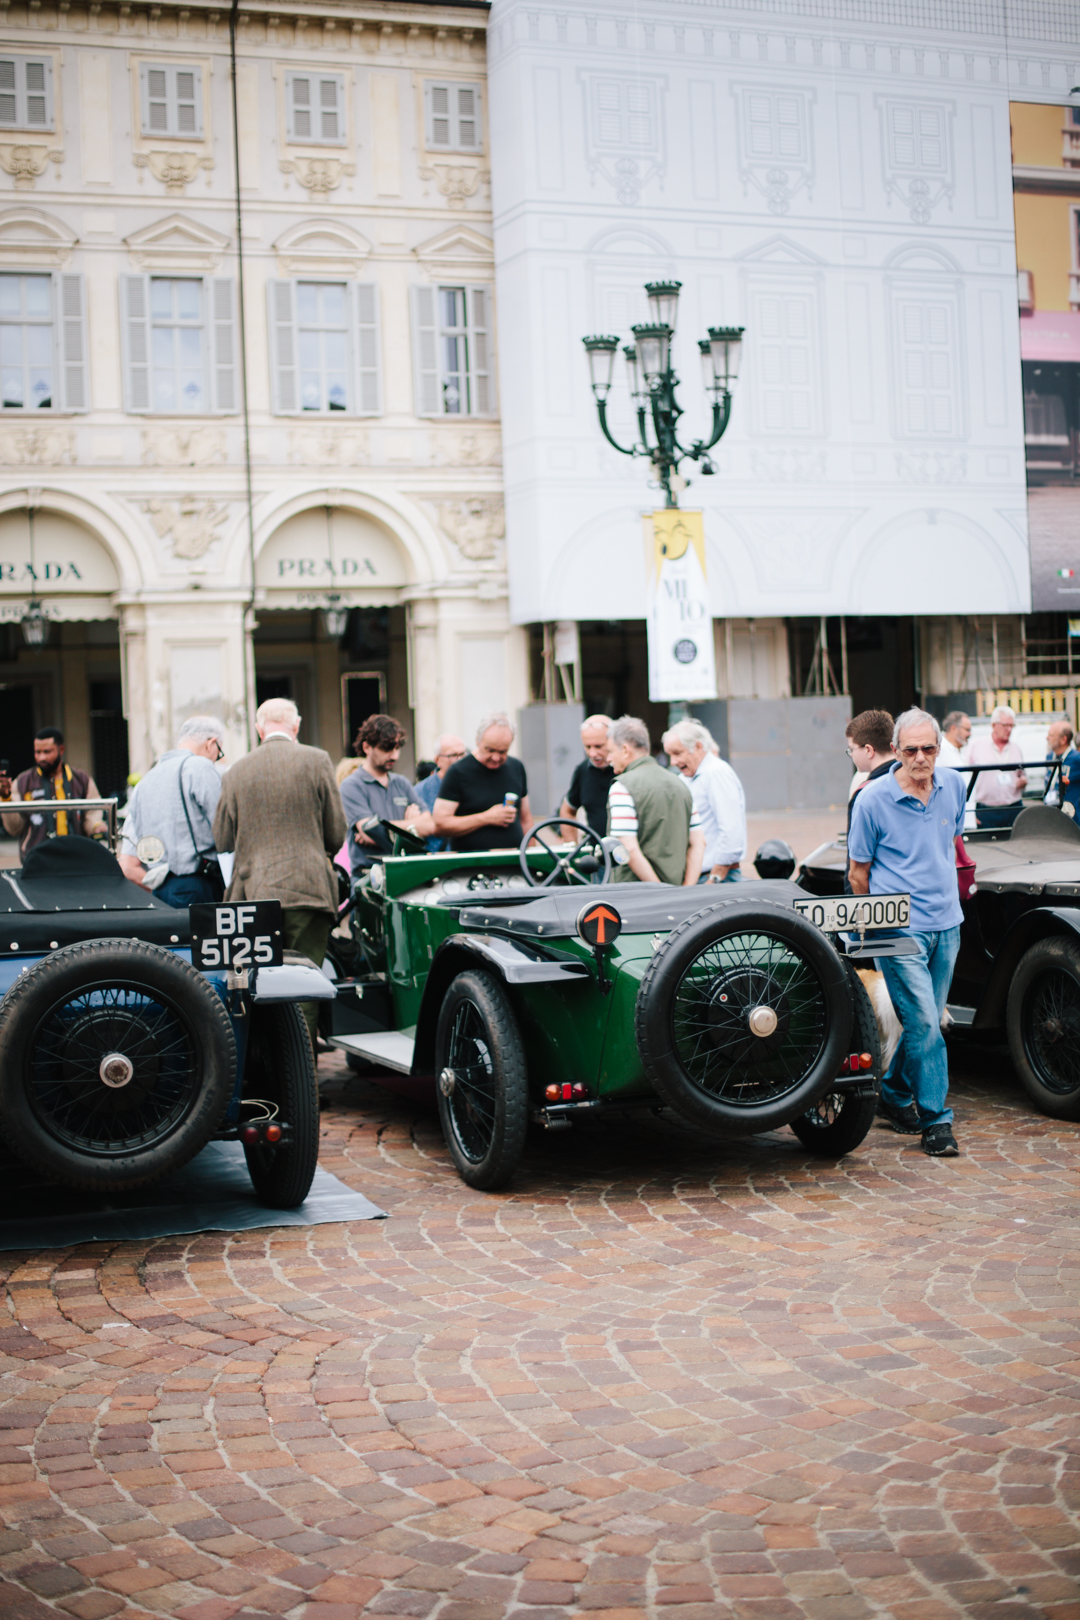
[
  {"x": 960, "y": 1015},
  {"x": 390, "y": 1049}
]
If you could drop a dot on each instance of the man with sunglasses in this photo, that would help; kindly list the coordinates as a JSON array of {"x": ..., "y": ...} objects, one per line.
[
  {"x": 175, "y": 803},
  {"x": 902, "y": 840}
]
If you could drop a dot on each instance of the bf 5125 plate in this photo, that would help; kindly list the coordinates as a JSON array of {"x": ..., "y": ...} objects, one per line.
[{"x": 237, "y": 935}]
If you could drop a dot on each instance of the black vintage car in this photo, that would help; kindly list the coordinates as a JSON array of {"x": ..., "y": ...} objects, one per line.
[{"x": 1018, "y": 972}]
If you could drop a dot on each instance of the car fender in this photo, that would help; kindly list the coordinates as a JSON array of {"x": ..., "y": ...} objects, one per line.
[
  {"x": 1043, "y": 922},
  {"x": 514, "y": 962}
]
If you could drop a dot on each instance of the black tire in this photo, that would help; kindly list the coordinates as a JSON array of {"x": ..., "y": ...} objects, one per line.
[
  {"x": 836, "y": 1123},
  {"x": 168, "y": 1026},
  {"x": 280, "y": 1070},
  {"x": 692, "y": 1017},
  {"x": 1042, "y": 1016},
  {"x": 485, "y": 1109}
]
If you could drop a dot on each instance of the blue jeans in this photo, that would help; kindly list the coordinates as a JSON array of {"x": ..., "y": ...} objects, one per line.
[
  {"x": 189, "y": 890},
  {"x": 918, "y": 986}
]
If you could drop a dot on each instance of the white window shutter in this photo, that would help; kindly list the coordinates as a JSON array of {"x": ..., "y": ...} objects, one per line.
[
  {"x": 300, "y": 107},
  {"x": 71, "y": 305},
  {"x": 366, "y": 348},
  {"x": 282, "y": 346},
  {"x": 468, "y": 117},
  {"x": 426, "y": 352},
  {"x": 135, "y": 341},
  {"x": 438, "y": 110},
  {"x": 330, "y": 109},
  {"x": 188, "y": 108},
  {"x": 223, "y": 344},
  {"x": 479, "y": 350}
]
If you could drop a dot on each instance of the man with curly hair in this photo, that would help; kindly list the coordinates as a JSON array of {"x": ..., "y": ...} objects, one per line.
[{"x": 374, "y": 789}]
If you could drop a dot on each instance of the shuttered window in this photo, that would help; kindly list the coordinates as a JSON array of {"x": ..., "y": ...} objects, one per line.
[
  {"x": 452, "y": 112},
  {"x": 43, "y": 343},
  {"x": 179, "y": 345},
  {"x": 452, "y": 351},
  {"x": 171, "y": 99},
  {"x": 315, "y": 108},
  {"x": 786, "y": 380},
  {"x": 324, "y": 348},
  {"x": 26, "y": 92},
  {"x": 929, "y": 406}
]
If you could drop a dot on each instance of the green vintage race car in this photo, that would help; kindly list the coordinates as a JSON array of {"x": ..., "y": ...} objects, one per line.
[{"x": 525, "y": 988}]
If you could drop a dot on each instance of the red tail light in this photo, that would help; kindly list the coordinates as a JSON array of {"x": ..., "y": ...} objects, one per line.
[
  {"x": 250, "y": 1134},
  {"x": 272, "y": 1133},
  {"x": 552, "y": 1093},
  {"x": 865, "y": 1060}
]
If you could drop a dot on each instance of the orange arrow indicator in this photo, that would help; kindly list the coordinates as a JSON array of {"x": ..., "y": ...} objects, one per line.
[{"x": 599, "y": 925}]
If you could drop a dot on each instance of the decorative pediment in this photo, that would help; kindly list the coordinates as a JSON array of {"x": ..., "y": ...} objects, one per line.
[
  {"x": 27, "y": 236},
  {"x": 177, "y": 242},
  {"x": 459, "y": 251},
  {"x": 321, "y": 247},
  {"x": 780, "y": 250},
  {"x": 921, "y": 256}
]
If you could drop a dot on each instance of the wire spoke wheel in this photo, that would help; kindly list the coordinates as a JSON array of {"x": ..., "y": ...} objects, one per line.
[
  {"x": 473, "y": 1101},
  {"x": 713, "y": 1018},
  {"x": 68, "y": 1090},
  {"x": 1052, "y": 1030}
]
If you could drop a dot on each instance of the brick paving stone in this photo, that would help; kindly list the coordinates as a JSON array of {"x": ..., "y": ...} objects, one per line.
[{"x": 657, "y": 1376}]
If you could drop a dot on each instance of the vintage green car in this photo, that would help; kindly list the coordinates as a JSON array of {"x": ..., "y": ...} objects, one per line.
[{"x": 524, "y": 988}]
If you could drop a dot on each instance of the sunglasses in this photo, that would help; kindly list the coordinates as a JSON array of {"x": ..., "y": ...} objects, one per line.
[{"x": 910, "y": 753}]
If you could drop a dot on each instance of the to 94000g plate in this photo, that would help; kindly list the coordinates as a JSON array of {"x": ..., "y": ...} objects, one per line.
[{"x": 856, "y": 912}]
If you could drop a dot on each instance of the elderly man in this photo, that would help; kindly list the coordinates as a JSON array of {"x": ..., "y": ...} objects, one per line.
[
  {"x": 902, "y": 840},
  {"x": 483, "y": 800},
  {"x": 376, "y": 790},
  {"x": 955, "y": 734},
  {"x": 280, "y": 811},
  {"x": 175, "y": 802},
  {"x": 1059, "y": 740},
  {"x": 718, "y": 799},
  {"x": 651, "y": 812},
  {"x": 997, "y": 793},
  {"x": 592, "y": 779},
  {"x": 448, "y": 750}
]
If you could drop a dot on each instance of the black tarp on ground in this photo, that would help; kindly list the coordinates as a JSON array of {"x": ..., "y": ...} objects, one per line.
[{"x": 211, "y": 1194}]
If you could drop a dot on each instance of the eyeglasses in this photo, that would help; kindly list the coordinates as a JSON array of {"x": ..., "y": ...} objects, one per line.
[
  {"x": 910, "y": 753},
  {"x": 452, "y": 757},
  {"x": 850, "y": 752},
  {"x": 220, "y": 751}
]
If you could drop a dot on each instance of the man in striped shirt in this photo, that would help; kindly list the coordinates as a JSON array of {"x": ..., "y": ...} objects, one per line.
[{"x": 651, "y": 812}]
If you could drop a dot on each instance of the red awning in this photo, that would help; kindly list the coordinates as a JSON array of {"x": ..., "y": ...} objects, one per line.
[{"x": 1048, "y": 335}]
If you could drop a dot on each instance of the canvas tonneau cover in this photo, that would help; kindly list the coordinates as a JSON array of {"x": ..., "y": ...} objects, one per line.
[
  {"x": 645, "y": 908},
  {"x": 72, "y": 889}
]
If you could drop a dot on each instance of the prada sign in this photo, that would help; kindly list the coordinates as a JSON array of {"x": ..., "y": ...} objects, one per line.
[
  {"x": 352, "y": 555},
  {"x": 66, "y": 558}
]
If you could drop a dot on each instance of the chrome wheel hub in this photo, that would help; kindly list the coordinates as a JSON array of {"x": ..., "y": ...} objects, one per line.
[
  {"x": 115, "y": 1069},
  {"x": 763, "y": 1021}
]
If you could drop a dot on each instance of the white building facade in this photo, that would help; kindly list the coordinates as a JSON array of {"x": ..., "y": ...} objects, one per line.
[
  {"x": 837, "y": 181},
  {"x": 371, "y": 348}
]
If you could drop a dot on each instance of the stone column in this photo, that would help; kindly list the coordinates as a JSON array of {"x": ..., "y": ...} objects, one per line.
[{"x": 427, "y": 690}]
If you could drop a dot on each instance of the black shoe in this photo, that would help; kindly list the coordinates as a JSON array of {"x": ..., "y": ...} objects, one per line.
[
  {"x": 939, "y": 1142},
  {"x": 904, "y": 1120}
]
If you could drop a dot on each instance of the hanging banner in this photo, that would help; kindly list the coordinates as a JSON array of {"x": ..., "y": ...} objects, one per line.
[{"x": 682, "y": 663}]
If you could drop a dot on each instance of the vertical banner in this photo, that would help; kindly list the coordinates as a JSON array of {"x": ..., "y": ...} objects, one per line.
[{"x": 682, "y": 664}]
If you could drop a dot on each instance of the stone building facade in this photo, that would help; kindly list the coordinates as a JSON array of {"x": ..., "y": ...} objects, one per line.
[{"x": 370, "y": 331}]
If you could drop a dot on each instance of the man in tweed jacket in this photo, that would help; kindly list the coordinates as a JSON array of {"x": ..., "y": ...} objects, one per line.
[{"x": 280, "y": 811}]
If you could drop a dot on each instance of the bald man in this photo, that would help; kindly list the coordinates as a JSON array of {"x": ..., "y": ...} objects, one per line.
[
  {"x": 591, "y": 781},
  {"x": 448, "y": 750}
]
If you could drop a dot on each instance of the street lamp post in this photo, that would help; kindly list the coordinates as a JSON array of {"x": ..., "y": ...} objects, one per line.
[{"x": 653, "y": 382}]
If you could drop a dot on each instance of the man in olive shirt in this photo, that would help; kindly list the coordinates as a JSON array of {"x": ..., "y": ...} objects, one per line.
[{"x": 651, "y": 812}]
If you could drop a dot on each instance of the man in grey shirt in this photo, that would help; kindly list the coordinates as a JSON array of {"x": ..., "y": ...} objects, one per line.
[
  {"x": 375, "y": 790},
  {"x": 175, "y": 802}
]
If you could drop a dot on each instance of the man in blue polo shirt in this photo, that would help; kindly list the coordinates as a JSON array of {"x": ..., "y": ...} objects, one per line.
[{"x": 902, "y": 840}]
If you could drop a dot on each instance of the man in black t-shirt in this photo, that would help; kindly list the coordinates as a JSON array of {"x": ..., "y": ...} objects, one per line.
[
  {"x": 593, "y": 777},
  {"x": 472, "y": 809}
]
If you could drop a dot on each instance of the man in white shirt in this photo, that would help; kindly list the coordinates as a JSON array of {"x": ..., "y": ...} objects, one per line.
[
  {"x": 997, "y": 793},
  {"x": 955, "y": 732},
  {"x": 718, "y": 797}
]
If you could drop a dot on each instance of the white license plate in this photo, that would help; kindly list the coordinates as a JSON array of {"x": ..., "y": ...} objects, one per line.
[{"x": 858, "y": 912}]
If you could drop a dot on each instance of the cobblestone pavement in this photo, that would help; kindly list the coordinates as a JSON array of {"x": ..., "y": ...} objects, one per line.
[{"x": 657, "y": 1375}]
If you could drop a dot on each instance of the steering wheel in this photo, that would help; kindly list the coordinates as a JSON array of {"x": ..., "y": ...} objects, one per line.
[
  {"x": 414, "y": 844},
  {"x": 577, "y": 865}
]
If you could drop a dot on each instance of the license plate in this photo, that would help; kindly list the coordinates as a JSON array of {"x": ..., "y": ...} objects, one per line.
[
  {"x": 857, "y": 912},
  {"x": 237, "y": 935}
]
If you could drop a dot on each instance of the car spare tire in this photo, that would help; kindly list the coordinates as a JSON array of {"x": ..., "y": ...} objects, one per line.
[
  {"x": 743, "y": 1017},
  {"x": 117, "y": 1062}
]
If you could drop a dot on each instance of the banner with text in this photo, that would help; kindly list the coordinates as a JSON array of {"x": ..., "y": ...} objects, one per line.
[{"x": 682, "y": 663}]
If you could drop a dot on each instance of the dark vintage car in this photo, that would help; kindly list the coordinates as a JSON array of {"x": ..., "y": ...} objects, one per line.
[
  {"x": 119, "y": 1059},
  {"x": 1017, "y": 975},
  {"x": 521, "y": 987}
]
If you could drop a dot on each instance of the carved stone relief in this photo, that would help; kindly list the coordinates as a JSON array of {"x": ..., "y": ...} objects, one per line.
[
  {"x": 467, "y": 447},
  {"x": 313, "y": 446},
  {"x": 182, "y": 447},
  {"x": 475, "y": 523},
  {"x": 188, "y": 524},
  {"x": 38, "y": 447},
  {"x": 788, "y": 466},
  {"x": 317, "y": 175},
  {"x": 456, "y": 181},
  {"x": 27, "y": 163},
  {"x": 175, "y": 170},
  {"x": 931, "y": 466}
]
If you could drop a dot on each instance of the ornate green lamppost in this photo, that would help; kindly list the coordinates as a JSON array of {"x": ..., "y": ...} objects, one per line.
[{"x": 653, "y": 383}]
